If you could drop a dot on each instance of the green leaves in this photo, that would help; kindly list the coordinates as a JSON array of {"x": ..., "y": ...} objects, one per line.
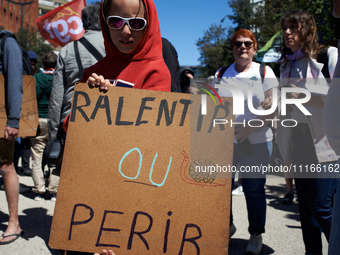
[
  {"x": 213, "y": 49},
  {"x": 263, "y": 19},
  {"x": 29, "y": 40}
]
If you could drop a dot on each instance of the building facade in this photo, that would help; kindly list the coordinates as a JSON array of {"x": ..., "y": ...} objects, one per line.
[{"x": 16, "y": 14}]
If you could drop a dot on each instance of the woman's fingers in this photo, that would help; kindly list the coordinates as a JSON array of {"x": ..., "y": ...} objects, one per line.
[{"x": 99, "y": 81}]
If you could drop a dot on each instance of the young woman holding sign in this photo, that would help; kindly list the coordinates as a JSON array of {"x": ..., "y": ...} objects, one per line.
[{"x": 133, "y": 47}]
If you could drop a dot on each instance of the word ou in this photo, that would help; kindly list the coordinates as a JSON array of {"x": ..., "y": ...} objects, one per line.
[
  {"x": 53, "y": 28},
  {"x": 238, "y": 101},
  {"x": 140, "y": 166},
  {"x": 261, "y": 123}
]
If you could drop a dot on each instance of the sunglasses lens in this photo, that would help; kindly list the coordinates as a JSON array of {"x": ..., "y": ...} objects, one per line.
[
  {"x": 248, "y": 44},
  {"x": 115, "y": 22},
  {"x": 137, "y": 24},
  {"x": 238, "y": 44}
]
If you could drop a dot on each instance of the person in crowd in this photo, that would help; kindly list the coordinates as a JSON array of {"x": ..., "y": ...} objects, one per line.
[
  {"x": 25, "y": 150},
  {"x": 133, "y": 46},
  {"x": 11, "y": 66},
  {"x": 252, "y": 146},
  {"x": 43, "y": 83},
  {"x": 306, "y": 143},
  {"x": 25, "y": 156},
  {"x": 34, "y": 60},
  {"x": 72, "y": 60},
  {"x": 171, "y": 60},
  {"x": 186, "y": 73},
  {"x": 332, "y": 125}
]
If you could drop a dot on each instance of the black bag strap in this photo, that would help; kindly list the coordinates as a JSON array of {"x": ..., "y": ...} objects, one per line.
[
  {"x": 80, "y": 66},
  {"x": 262, "y": 71},
  {"x": 2, "y": 47},
  {"x": 323, "y": 58},
  {"x": 221, "y": 72},
  {"x": 43, "y": 91},
  {"x": 3, "y": 39},
  {"x": 91, "y": 48},
  {"x": 94, "y": 52}
]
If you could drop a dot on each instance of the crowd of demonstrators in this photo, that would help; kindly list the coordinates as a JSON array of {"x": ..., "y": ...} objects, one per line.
[
  {"x": 124, "y": 43},
  {"x": 43, "y": 83},
  {"x": 12, "y": 67},
  {"x": 252, "y": 146},
  {"x": 306, "y": 143}
]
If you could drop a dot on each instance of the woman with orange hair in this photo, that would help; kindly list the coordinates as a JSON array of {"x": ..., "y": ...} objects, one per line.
[{"x": 252, "y": 145}]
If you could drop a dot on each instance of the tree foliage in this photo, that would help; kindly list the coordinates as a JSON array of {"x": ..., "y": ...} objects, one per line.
[
  {"x": 213, "y": 49},
  {"x": 29, "y": 41},
  {"x": 263, "y": 19}
]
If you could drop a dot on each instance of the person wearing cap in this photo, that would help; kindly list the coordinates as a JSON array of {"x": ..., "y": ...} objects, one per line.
[{"x": 34, "y": 60}]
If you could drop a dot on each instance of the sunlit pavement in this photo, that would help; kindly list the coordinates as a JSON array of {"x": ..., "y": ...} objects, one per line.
[{"x": 283, "y": 233}]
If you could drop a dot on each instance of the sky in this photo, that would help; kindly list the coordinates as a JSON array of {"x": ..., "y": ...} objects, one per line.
[{"x": 183, "y": 22}]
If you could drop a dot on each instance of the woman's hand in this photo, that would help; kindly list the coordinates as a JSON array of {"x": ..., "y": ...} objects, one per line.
[
  {"x": 96, "y": 80},
  {"x": 267, "y": 103},
  {"x": 295, "y": 95},
  {"x": 315, "y": 100},
  {"x": 105, "y": 252}
]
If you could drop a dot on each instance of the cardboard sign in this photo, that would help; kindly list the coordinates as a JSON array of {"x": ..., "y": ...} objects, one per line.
[
  {"x": 134, "y": 176},
  {"x": 29, "y": 119}
]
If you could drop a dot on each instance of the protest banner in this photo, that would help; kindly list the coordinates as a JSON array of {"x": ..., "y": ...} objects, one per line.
[
  {"x": 29, "y": 119},
  {"x": 63, "y": 24},
  {"x": 134, "y": 177}
]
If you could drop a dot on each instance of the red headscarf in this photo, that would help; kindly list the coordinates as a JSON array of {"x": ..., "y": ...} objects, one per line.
[{"x": 145, "y": 67}]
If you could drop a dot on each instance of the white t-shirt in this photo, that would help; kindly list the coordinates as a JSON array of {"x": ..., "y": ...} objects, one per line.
[{"x": 249, "y": 81}]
